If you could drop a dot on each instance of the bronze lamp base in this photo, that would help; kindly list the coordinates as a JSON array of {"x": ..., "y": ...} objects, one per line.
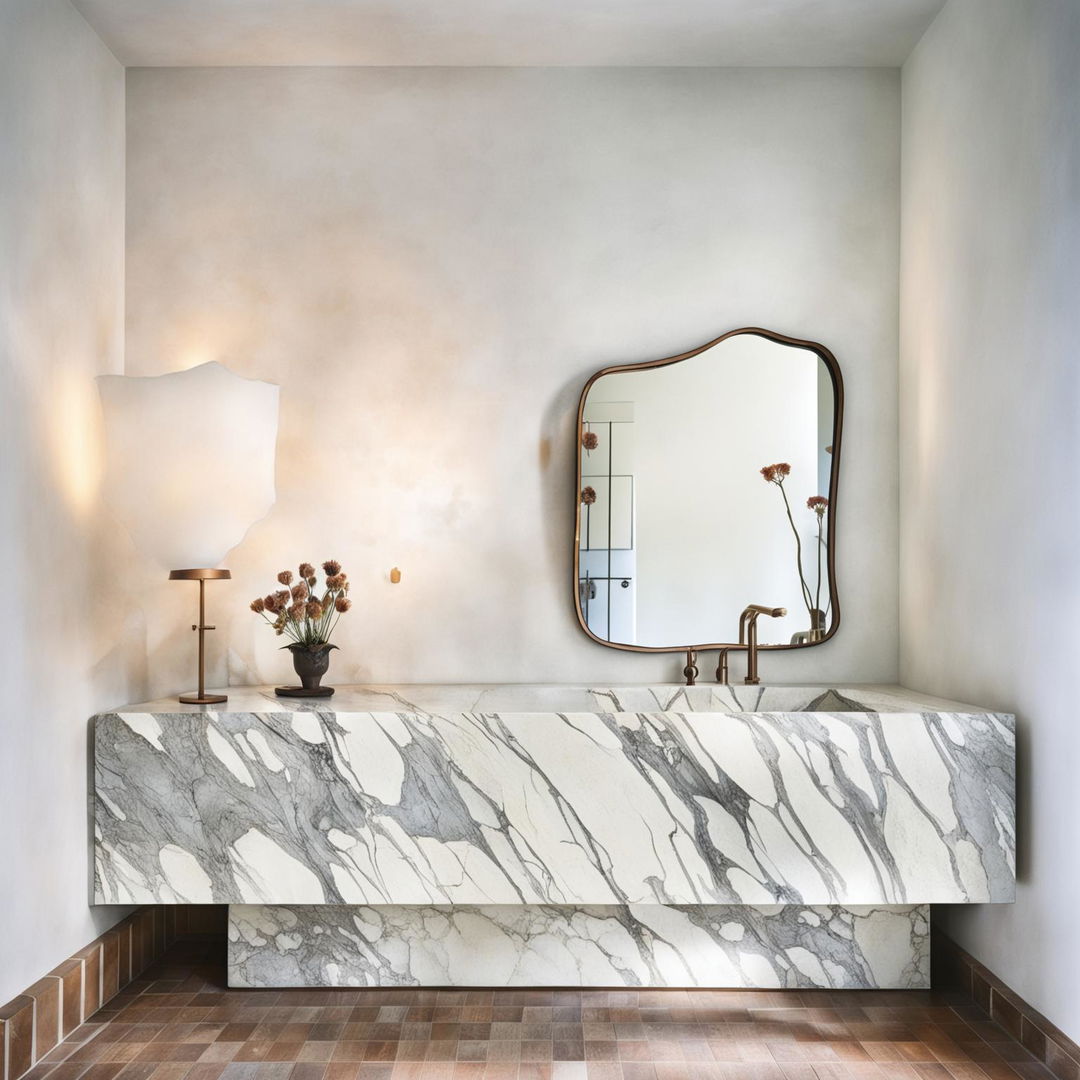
[{"x": 202, "y": 576}]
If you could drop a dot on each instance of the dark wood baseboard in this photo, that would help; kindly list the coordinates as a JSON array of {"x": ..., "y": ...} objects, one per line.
[{"x": 954, "y": 968}]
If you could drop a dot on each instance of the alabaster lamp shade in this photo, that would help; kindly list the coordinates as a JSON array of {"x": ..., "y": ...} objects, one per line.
[
  {"x": 189, "y": 460},
  {"x": 189, "y": 468}
]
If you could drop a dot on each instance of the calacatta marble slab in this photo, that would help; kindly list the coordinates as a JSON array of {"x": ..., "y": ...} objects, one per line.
[
  {"x": 640, "y": 945},
  {"x": 636, "y": 796}
]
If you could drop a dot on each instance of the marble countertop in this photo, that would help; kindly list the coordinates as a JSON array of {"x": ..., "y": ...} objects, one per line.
[
  {"x": 556, "y": 795},
  {"x": 523, "y": 697}
]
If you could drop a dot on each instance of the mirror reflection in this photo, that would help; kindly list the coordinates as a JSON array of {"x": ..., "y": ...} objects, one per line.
[{"x": 704, "y": 487}]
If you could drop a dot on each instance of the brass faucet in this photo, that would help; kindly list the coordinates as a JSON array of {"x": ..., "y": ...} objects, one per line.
[{"x": 748, "y": 636}]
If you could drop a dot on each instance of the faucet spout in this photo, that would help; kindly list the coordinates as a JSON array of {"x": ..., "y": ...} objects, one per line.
[{"x": 748, "y": 636}]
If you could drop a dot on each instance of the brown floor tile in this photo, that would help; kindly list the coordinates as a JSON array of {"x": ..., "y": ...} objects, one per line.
[
  {"x": 178, "y": 1022},
  {"x": 206, "y": 1070},
  {"x": 309, "y": 1070},
  {"x": 236, "y": 1032}
]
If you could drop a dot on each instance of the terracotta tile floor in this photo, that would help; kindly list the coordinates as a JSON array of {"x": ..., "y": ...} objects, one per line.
[{"x": 180, "y": 1022}]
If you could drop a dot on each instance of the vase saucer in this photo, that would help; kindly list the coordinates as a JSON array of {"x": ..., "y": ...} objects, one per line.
[{"x": 299, "y": 691}]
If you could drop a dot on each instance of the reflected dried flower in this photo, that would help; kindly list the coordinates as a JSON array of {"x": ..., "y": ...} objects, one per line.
[
  {"x": 285, "y": 577},
  {"x": 300, "y": 591},
  {"x": 590, "y": 440},
  {"x": 341, "y": 605},
  {"x": 331, "y": 567},
  {"x": 818, "y": 503},
  {"x": 314, "y": 609},
  {"x": 307, "y": 570},
  {"x": 258, "y": 605},
  {"x": 588, "y": 496}
]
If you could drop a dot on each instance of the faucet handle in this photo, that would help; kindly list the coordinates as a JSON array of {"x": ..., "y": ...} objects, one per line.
[
  {"x": 691, "y": 669},
  {"x": 722, "y": 667}
]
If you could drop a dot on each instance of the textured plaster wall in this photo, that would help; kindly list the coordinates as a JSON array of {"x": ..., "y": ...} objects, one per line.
[
  {"x": 61, "y": 323},
  {"x": 431, "y": 261},
  {"x": 990, "y": 394}
]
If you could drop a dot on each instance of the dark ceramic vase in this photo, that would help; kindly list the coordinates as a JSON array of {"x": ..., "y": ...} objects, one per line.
[{"x": 311, "y": 663}]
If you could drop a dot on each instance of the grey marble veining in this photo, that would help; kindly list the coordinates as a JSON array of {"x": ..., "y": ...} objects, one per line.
[
  {"x": 639, "y": 945},
  {"x": 413, "y": 804}
]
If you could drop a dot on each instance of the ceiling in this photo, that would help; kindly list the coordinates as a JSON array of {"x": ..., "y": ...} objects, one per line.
[{"x": 634, "y": 33}]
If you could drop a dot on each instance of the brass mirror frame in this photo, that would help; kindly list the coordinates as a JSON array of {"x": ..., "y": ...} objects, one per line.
[{"x": 833, "y": 368}]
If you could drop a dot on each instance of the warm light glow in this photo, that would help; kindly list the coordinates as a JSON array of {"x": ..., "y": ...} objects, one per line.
[
  {"x": 189, "y": 460},
  {"x": 194, "y": 356},
  {"x": 75, "y": 434}
]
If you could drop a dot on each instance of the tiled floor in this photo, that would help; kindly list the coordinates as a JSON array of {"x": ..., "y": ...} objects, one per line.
[{"x": 180, "y": 1022}]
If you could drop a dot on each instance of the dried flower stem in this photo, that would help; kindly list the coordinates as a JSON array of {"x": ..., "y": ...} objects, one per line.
[{"x": 807, "y": 599}]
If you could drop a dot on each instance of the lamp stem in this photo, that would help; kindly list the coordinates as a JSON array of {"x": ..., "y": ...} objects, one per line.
[{"x": 202, "y": 638}]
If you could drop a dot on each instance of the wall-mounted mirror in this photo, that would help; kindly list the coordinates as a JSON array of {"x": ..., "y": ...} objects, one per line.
[{"x": 708, "y": 482}]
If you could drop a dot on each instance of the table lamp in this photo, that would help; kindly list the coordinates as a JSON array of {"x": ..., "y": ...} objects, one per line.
[{"x": 189, "y": 468}]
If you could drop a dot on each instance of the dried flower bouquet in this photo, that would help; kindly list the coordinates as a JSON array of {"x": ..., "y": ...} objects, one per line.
[{"x": 302, "y": 613}]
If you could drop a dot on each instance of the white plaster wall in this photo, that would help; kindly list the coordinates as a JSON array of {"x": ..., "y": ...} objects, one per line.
[
  {"x": 990, "y": 396},
  {"x": 431, "y": 261},
  {"x": 61, "y": 323}
]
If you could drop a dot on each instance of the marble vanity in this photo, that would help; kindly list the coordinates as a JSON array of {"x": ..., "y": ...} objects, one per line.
[{"x": 543, "y": 835}]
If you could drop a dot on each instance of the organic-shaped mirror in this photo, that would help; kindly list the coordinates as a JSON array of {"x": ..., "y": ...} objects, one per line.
[{"x": 706, "y": 483}]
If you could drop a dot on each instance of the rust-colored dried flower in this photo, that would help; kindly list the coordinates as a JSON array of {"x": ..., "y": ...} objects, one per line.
[
  {"x": 283, "y": 596},
  {"x": 271, "y": 604},
  {"x": 342, "y": 604},
  {"x": 818, "y": 503},
  {"x": 590, "y": 440},
  {"x": 307, "y": 570},
  {"x": 300, "y": 591},
  {"x": 588, "y": 495},
  {"x": 258, "y": 605},
  {"x": 331, "y": 567},
  {"x": 285, "y": 577},
  {"x": 335, "y": 582},
  {"x": 298, "y": 611},
  {"x": 314, "y": 609},
  {"x": 775, "y": 474}
]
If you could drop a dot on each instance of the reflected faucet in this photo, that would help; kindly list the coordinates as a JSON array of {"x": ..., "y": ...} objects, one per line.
[{"x": 748, "y": 636}]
